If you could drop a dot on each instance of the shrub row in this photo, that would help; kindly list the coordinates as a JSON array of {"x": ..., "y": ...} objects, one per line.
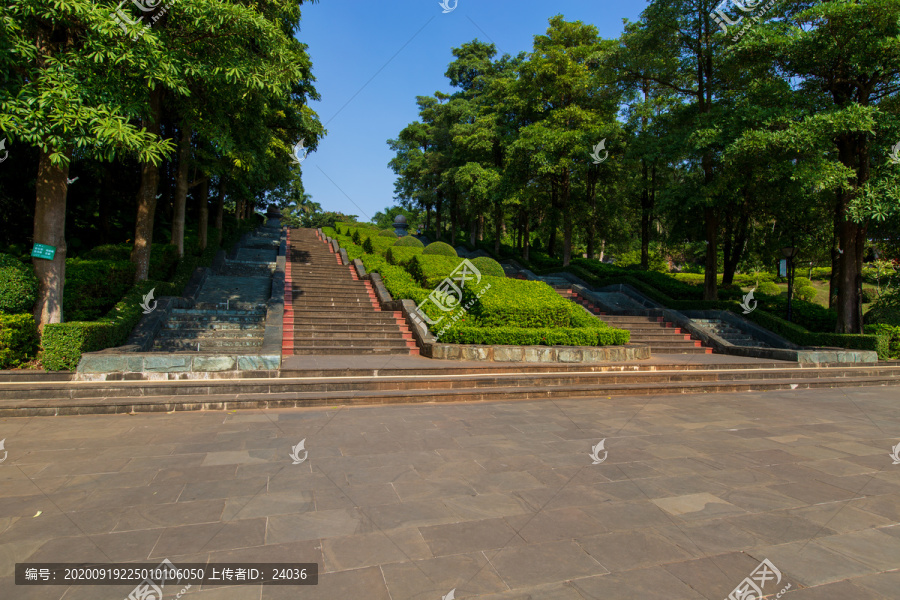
[
  {"x": 18, "y": 340},
  {"x": 889, "y": 335},
  {"x": 532, "y": 336},
  {"x": 64, "y": 343},
  {"x": 18, "y": 285}
]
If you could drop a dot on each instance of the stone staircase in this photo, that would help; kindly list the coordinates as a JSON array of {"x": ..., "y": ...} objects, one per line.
[
  {"x": 229, "y": 314},
  {"x": 330, "y": 311},
  {"x": 428, "y": 384},
  {"x": 730, "y": 333},
  {"x": 211, "y": 330},
  {"x": 662, "y": 337}
]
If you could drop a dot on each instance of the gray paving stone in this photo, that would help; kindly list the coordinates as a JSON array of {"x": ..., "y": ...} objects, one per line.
[{"x": 498, "y": 500}]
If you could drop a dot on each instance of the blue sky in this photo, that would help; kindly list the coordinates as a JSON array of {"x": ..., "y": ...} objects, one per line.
[{"x": 371, "y": 60}]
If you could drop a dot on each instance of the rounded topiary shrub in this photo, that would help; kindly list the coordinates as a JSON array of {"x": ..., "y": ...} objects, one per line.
[
  {"x": 488, "y": 267},
  {"x": 387, "y": 233},
  {"x": 18, "y": 286},
  {"x": 769, "y": 289},
  {"x": 807, "y": 293},
  {"x": 440, "y": 248},
  {"x": 409, "y": 241}
]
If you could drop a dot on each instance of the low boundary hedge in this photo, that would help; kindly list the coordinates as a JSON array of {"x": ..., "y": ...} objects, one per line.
[
  {"x": 535, "y": 336},
  {"x": 18, "y": 340}
]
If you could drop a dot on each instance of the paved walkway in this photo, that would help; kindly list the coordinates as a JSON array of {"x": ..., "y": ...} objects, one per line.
[{"x": 497, "y": 501}]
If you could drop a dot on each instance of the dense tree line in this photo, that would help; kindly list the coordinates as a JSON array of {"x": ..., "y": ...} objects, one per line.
[
  {"x": 774, "y": 132},
  {"x": 129, "y": 104}
]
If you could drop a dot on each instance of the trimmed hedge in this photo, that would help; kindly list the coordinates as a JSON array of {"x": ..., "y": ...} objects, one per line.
[
  {"x": 531, "y": 336},
  {"x": 401, "y": 255},
  {"x": 440, "y": 249},
  {"x": 521, "y": 303},
  {"x": 398, "y": 282},
  {"x": 93, "y": 287},
  {"x": 388, "y": 233},
  {"x": 374, "y": 244},
  {"x": 409, "y": 241},
  {"x": 430, "y": 269},
  {"x": 802, "y": 337},
  {"x": 488, "y": 266},
  {"x": 18, "y": 285},
  {"x": 889, "y": 349},
  {"x": 64, "y": 343},
  {"x": 18, "y": 340}
]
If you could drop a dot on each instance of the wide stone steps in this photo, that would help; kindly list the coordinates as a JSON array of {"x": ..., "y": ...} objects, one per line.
[
  {"x": 255, "y": 332},
  {"x": 128, "y": 396},
  {"x": 661, "y": 336},
  {"x": 329, "y": 311}
]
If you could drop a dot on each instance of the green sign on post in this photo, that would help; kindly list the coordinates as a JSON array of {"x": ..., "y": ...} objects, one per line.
[{"x": 43, "y": 251}]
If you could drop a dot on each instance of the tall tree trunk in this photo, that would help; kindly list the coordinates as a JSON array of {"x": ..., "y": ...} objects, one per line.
[
  {"x": 736, "y": 241},
  {"x": 526, "y": 237},
  {"x": 647, "y": 200},
  {"x": 498, "y": 226},
  {"x": 437, "y": 217},
  {"x": 473, "y": 226},
  {"x": 602, "y": 249},
  {"x": 554, "y": 221},
  {"x": 50, "y": 229},
  {"x": 203, "y": 212},
  {"x": 143, "y": 230},
  {"x": 220, "y": 211},
  {"x": 181, "y": 189},
  {"x": 710, "y": 283},
  {"x": 568, "y": 222},
  {"x": 853, "y": 153},
  {"x": 481, "y": 228}
]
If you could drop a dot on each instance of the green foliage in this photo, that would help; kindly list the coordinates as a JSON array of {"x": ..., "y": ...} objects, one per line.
[
  {"x": 533, "y": 336},
  {"x": 375, "y": 244},
  {"x": 388, "y": 233},
  {"x": 409, "y": 241},
  {"x": 18, "y": 286},
  {"x": 803, "y": 337},
  {"x": 821, "y": 273},
  {"x": 94, "y": 286},
  {"x": 886, "y": 308},
  {"x": 163, "y": 257},
  {"x": 768, "y": 288},
  {"x": 430, "y": 269},
  {"x": 522, "y": 304},
  {"x": 401, "y": 255},
  {"x": 18, "y": 340},
  {"x": 889, "y": 349},
  {"x": 440, "y": 249},
  {"x": 398, "y": 282},
  {"x": 63, "y": 343},
  {"x": 657, "y": 261},
  {"x": 801, "y": 282},
  {"x": 807, "y": 293},
  {"x": 488, "y": 266}
]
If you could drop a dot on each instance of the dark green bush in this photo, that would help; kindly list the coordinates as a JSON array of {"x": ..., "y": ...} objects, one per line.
[
  {"x": 807, "y": 293},
  {"x": 488, "y": 266},
  {"x": 532, "y": 336},
  {"x": 18, "y": 286},
  {"x": 401, "y": 255},
  {"x": 93, "y": 287},
  {"x": 440, "y": 249},
  {"x": 409, "y": 241},
  {"x": 886, "y": 308},
  {"x": 388, "y": 233},
  {"x": 768, "y": 288},
  {"x": 374, "y": 244},
  {"x": 18, "y": 340},
  {"x": 891, "y": 347},
  {"x": 801, "y": 282},
  {"x": 64, "y": 343}
]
